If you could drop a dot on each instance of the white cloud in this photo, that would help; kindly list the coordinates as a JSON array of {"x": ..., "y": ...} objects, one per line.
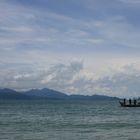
[
  {"x": 72, "y": 79},
  {"x": 56, "y": 77}
]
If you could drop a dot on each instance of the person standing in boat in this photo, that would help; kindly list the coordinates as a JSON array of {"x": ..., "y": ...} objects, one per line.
[
  {"x": 130, "y": 101},
  {"x": 124, "y": 101},
  {"x": 135, "y": 102}
]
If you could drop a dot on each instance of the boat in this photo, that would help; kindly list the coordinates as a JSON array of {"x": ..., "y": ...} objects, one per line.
[{"x": 129, "y": 105}]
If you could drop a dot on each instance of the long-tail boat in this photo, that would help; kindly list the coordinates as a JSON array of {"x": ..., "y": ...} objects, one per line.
[{"x": 129, "y": 105}]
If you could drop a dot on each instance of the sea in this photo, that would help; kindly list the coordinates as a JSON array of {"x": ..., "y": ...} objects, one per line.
[{"x": 68, "y": 120}]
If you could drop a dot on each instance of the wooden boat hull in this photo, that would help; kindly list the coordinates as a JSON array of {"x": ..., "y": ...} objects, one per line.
[{"x": 129, "y": 105}]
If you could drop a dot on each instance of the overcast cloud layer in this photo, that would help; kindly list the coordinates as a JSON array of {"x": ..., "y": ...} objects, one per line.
[{"x": 77, "y": 47}]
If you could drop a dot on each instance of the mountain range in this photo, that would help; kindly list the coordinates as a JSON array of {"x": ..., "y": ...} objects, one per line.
[{"x": 45, "y": 93}]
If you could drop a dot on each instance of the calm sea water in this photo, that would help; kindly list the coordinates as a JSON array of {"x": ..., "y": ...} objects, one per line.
[{"x": 73, "y": 120}]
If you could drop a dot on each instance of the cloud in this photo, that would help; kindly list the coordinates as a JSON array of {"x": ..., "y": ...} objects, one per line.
[
  {"x": 72, "y": 79},
  {"x": 61, "y": 76},
  {"x": 56, "y": 77},
  {"x": 105, "y": 35},
  {"x": 124, "y": 83},
  {"x": 28, "y": 28}
]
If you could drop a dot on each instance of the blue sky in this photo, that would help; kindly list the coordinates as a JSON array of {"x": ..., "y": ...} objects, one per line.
[{"x": 77, "y": 47}]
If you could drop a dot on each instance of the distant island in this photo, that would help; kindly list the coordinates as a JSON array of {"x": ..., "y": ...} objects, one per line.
[{"x": 45, "y": 93}]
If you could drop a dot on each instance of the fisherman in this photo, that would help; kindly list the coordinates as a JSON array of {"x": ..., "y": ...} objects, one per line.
[
  {"x": 135, "y": 102},
  {"x": 124, "y": 101},
  {"x": 130, "y": 101}
]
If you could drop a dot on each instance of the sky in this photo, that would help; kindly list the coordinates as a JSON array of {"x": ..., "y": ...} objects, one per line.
[{"x": 82, "y": 47}]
